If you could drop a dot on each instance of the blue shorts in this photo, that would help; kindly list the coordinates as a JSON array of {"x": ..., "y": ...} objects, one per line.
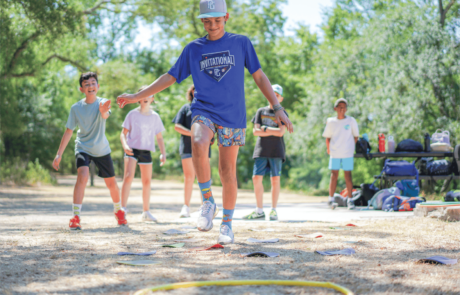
[
  {"x": 263, "y": 165},
  {"x": 346, "y": 164}
]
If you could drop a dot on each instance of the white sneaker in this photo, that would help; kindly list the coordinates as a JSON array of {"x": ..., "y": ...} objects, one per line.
[
  {"x": 147, "y": 216},
  {"x": 185, "y": 212},
  {"x": 207, "y": 213},
  {"x": 226, "y": 235}
]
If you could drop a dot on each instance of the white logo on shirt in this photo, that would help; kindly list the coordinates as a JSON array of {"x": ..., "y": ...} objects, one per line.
[{"x": 211, "y": 4}]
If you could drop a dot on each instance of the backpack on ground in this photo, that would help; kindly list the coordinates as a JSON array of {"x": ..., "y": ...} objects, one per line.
[
  {"x": 341, "y": 199},
  {"x": 456, "y": 163},
  {"x": 367, "y": 192},
  {"x": 408, "y": 187},
  {"x": 379, "y": 198},
  {"x": 452, "y": 196},
  {"x": 363, "y": 147},
  {"x": 400, "y": 203},
  {"x": 439, "y": 167},
  {"x": 409, "y": 145}
]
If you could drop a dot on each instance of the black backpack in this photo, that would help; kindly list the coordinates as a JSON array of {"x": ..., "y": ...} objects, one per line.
[
  {"x": 422, "y": 165},
  {"x": 409, "y": 145},
  {"x": 368, "y": 190},
  {"x": 439, "y": 167},
  {"x": 363, "y": 147}
]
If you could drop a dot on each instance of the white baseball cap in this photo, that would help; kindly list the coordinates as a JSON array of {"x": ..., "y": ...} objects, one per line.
[
  {"x": 278, "y": 89},
  {"x": 212, "y": 8},
  {"x": 339, "y": 101}
]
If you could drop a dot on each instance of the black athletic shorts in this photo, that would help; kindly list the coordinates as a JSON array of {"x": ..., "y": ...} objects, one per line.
[
  {"x": 141, "y": 156},
  {"x": 104, "y": 164}
]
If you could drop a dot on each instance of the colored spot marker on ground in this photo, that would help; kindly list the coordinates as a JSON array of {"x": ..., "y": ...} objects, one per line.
[
  {"x": 252, "y": 240},
  {"x": 264, "y": 229},
  {"x": 348, "y": 251},
  {"x": 213, "y": 247},
  {"x": 260, "y": 254},
  {"x": 438, "y": 260},
  {"x": 189, "y": 240},
  {"x": 350, "y": 224},
  {"x": 175, "y": 232},
  {"x": 178, "y": 245},
  {"x": 311, "y": 236},
  {"x": 138, "y": 262},
  {"x": 139, "y": 254}
]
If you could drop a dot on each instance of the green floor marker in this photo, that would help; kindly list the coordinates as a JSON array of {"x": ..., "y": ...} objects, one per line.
[
  {"x": 138, "y": 262},
  {"x": 178, "y": 245}
]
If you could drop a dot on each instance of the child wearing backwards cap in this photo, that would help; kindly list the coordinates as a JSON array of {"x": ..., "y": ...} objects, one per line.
[
  {"x": 341, "y": 135},
  {"x": 216, "y": 63}
]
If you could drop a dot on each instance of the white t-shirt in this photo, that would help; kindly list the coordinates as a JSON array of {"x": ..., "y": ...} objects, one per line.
[
  {"x": 342, "y": 134},
  {"x": 142, "y": 129}
]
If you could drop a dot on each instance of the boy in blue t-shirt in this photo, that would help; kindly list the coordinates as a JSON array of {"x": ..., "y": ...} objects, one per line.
[{"x": 216, "y": 63}]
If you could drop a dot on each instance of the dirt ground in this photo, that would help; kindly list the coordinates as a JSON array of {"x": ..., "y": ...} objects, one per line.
[{"x": 39, "y": 255}]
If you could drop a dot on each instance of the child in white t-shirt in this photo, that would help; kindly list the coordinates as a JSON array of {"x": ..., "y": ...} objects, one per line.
[
  {"x": 140, "y": 128},
  {"x": 341, "y": 135}
]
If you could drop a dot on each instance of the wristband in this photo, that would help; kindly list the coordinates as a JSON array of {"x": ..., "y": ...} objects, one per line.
[
  {"x": 277, "y": 107},
  {"x": 265, "y": 128}
]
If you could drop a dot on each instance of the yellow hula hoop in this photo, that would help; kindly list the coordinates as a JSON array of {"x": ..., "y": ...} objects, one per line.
[{"x": 245, "y": 283}]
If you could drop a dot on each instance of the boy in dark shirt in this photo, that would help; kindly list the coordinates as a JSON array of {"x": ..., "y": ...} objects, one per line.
[{"x": 269, "y": 154}]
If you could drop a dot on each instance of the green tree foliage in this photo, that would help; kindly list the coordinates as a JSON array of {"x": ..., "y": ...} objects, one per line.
[{"x": 397, "y": 62}]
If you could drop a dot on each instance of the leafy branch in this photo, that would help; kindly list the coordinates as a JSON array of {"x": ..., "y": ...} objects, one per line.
[
  {"x": 443, "y": 12},
  {"x": 102, "y": 4}
]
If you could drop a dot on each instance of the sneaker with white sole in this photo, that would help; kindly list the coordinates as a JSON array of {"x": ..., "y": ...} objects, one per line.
[
  {"x": 226, "y": 235},
  {"x": 207, "y": 213},
  {"x": 332, "y": 204},
  {"x": 273, "y": 215},
  {"x": 125, "y": 209},
  {"x": 351, "y": 204},
  {"x": 254, "y": 215},
  {"x": 147, "y": 216},
  {"x": 185, "y": 212}
]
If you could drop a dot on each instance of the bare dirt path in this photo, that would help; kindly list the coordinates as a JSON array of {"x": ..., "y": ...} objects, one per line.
[{"x": 39, "y": 255}]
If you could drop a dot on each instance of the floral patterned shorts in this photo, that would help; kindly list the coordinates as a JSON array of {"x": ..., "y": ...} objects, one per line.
[{"x": 225, "y": 136}]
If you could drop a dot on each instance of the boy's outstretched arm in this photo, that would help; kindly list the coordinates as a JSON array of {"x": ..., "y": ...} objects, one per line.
[
  {"x": 160, "y": 84},
  {"x": 328, "y": 144},
  {"x": 161, "y": 145},
  {"x": 64, "y": 142},
  {"x": 266, "y": 87}
]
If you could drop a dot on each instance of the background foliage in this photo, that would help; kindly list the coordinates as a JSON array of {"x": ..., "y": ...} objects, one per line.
[{"x": 397, "y": 62}]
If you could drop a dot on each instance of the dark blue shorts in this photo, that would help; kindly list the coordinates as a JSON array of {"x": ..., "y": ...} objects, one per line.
[
  {"x": 142, "y": 157},
  {"x": 263, "y": 165}
]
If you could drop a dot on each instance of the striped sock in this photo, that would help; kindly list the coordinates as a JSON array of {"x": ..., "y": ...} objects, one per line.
[
  {"x": 76, "y": 209},
  {"x": 116, "y": 207},
  {"x": 227, "y": 217},
  {"x": 206, "y": 193}
]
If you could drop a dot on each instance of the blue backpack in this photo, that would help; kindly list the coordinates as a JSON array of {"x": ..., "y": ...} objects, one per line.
[
  {"x": 400, "y": 168},
  {"x": 408, "y": 187},
  {"x": 379, "y": 198},
  {"x": 399, "y": 203}
]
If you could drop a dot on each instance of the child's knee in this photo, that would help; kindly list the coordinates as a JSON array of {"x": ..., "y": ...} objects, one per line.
[
  {"x": 146, "y": 181},
  {"x": 111, "y": 183},
  {"x": 129, "y": 176},
  {"x": 83, "y": 175},
  {"x": 335, "y": 173}
]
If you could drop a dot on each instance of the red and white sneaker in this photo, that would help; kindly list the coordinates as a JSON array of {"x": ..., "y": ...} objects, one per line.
[
  {"x": 75, "y": 223},
  {"x": 120, "y": 216}
]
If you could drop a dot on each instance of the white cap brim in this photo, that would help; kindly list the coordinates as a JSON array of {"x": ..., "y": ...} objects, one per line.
[{"x": 212, "y": 14}]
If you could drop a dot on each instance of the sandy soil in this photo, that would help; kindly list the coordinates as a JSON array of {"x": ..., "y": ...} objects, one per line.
[{"x": 39, "y": 255}]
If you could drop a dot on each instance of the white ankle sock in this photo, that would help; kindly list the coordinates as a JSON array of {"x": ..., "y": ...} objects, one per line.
[
  {"x": 273, "y": 209},
  {"x": 76, "y": 209},
  {"x": 331, "y": 198},
  {"x": 116, "y": 207},
  {"x": 259, "y": 210}
]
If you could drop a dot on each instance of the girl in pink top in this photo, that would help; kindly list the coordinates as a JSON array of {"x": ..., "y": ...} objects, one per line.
[{"x": 140, "y": 128}]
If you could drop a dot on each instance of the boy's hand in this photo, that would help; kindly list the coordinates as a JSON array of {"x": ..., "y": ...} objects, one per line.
[
  {"x": 281, "y": 116},
  {"x": 105, "y": 108},
  {"x": 128, "y": 151},
  {"x": 162, "y": 160},
  {"x": 56, "y": 162},
  {"x": 125, "y": 99}
]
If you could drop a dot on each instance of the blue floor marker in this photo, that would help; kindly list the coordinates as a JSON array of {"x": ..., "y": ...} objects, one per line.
[
  {"x": 438, "y": 260},
  {"x": 260, "y": 254},
  {"x": 139, "y": 254},
  {"x": 348, "y": 251}
]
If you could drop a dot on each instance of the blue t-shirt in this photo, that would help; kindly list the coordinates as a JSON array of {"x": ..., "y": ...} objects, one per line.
[{"x": 217, "y": 69}]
